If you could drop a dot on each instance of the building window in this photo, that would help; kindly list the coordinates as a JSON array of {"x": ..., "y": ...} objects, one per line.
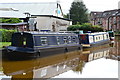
[
  {"x": 44, "y": 41},
  {"x": 53, "y": 28}
]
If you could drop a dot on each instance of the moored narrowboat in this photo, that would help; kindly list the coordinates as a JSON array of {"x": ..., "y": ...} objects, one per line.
[
  {"x": 39, "y": 44},
  {"x": 94, "y": 39}
]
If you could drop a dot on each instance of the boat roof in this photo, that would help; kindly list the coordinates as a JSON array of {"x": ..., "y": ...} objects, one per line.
[
  {"x": 46, "y": 33},
  {"x": 97, "y": 33}
]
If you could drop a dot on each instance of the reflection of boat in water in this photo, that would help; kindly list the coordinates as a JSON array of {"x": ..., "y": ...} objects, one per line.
[
  {"x": 95, "y": 53},
  {"x": 41, "y": 67},
  {"x": 53, "y": 65},
  {"x": 39, "y": 44}
]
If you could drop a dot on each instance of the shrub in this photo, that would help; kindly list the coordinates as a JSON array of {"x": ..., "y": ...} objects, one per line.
[
  {"x": 74, "y": 27},
  {"x": 87, "y": 24},
  {"x": 97, "y": 28},
  {"x": 10, "y": 20},
  {"x": 6, "y": 35},
  {"x": 85, "y": 27}
]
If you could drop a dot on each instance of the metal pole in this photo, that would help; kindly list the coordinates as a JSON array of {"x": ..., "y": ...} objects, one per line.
[{"x": 108, "y": 22}]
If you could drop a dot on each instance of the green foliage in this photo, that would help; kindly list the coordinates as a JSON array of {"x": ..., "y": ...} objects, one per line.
[
  {"x": 78, "y": 13},
  {"x": 66, "y": 16},
  {"x": 85, "y": 27},
  {"x": 117, "y": 32},
  {"x": 73, "y": 27},
  {"x": 6, "y": 35},
  {"x": 4, "y": 44},
  {"x": 10, "y": 20}
]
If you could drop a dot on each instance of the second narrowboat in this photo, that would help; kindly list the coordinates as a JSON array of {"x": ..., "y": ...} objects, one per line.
[{"x": 94, "y": 39}]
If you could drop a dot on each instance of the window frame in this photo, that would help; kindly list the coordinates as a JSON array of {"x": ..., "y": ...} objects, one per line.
[{"x": 44, "y": 39}]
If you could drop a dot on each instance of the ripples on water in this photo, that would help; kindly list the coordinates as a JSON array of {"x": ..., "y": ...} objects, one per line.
[{"x": 97, "y": 62}]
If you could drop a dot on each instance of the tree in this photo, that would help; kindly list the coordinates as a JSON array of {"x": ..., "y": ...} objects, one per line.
[{"x": 78, "y": 12}]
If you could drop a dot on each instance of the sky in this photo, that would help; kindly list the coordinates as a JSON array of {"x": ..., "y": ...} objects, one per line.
[{"x": 92, "y": 5}]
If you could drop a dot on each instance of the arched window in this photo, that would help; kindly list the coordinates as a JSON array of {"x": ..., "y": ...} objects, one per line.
[{"x": 53, "y": 28}]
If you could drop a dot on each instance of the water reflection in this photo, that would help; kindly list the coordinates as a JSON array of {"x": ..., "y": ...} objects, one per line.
[
  {"x": 41, "y": 67},
  {"x": 49, "y": 67},
  {"x": 115, "y": 51}
]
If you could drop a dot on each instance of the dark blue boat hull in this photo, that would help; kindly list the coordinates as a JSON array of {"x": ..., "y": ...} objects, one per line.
[{"x": 15, "y": 53}]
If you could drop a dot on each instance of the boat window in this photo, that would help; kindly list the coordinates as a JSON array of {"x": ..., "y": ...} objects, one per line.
[
  {"x": 74, "y": 40},
  {"x": 99, "y": 37},
  {"x": 65, "y": 40},
  {"x": 69, "y": 38},
  {"x": 58, "y": 40},
  {"x": 96, "y": 38},
  {"x": 24, "y": 41},
  {"x": 44, "y": 40},
  {"x": 107, "y": 36}
]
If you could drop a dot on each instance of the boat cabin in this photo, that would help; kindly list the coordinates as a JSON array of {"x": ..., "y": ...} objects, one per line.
[
  {"x": 94, "y": 38},
  {"x": 40, "y": 39}
]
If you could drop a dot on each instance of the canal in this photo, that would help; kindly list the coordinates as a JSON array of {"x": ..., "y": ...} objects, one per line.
[{"x": 96, "y": 62}]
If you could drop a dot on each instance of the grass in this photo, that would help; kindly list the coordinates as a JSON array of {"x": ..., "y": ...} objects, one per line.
[{"x": 4, "y": 44}]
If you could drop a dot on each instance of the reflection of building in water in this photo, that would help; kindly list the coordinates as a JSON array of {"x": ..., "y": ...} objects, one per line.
[
  {"x": 53, "y": 70},
  {"x": 115, "y": 51}
]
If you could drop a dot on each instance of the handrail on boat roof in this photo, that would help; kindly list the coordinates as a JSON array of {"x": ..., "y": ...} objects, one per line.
[{"x": 41, "y": 32}]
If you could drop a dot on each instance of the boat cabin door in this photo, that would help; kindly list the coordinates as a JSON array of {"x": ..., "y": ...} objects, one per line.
[{"x": 22, "y": 40}]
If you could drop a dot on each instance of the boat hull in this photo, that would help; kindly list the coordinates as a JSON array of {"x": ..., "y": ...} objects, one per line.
[
  {"x": 96, "y": 44},
  {"x": 19, "y": 54}
]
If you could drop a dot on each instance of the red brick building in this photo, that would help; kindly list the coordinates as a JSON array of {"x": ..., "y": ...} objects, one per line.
[
  {"x": 109, "y": 20},
  {"x": 95, "y": 18}
]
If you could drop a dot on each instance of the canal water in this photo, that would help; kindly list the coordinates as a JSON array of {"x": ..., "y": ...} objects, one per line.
[{"x": 96, "y": 62}]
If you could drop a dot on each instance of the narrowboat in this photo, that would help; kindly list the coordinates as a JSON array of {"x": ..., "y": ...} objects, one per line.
[
  {"x": 94, "y": 39},
  {"x": 39, "y": 44}
]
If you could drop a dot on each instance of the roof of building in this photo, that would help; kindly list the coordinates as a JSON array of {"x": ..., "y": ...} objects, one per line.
[
  {"x": 13, "y": 24},
  {"x": 105, "y": 14},
  {"x": 109, "y": 13},
  {"x": 11, "y": 14},
  {"x": 51, "y": 16},
  {"x": 47, "y": 8},
  {"x": 8, "y": 9},
  {"x": 78, "y": 1}
]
